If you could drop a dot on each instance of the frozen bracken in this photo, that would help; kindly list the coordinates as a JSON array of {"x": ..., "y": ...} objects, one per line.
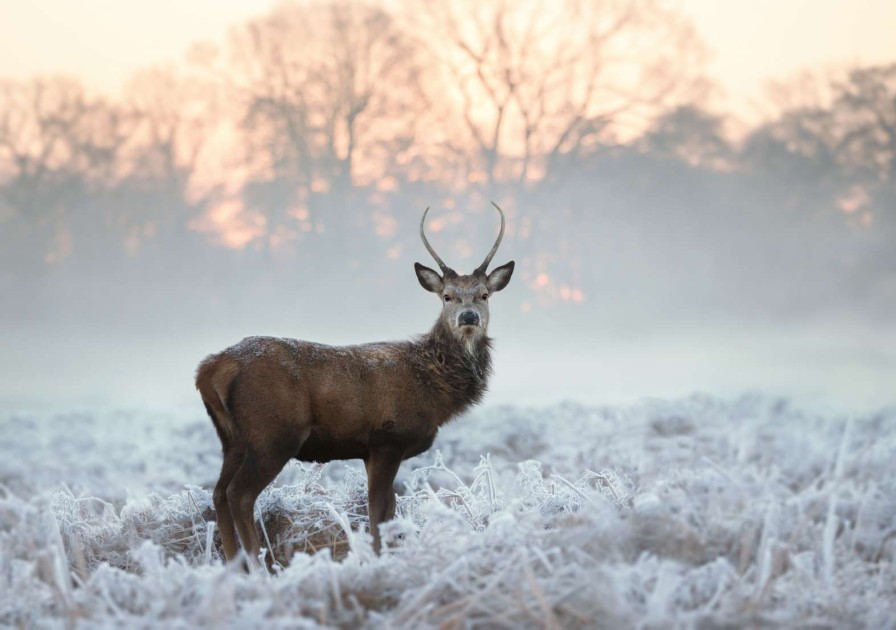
[{"x": 689, "y": 513}]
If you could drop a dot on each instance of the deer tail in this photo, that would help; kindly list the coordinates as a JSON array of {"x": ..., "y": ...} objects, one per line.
[{"x": 214, "y": 377}]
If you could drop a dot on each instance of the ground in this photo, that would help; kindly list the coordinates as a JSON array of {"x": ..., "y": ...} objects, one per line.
[{"x": 688, "y": 513}]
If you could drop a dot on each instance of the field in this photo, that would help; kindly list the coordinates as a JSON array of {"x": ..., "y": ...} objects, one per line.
[{"x": 688, "y": 513}]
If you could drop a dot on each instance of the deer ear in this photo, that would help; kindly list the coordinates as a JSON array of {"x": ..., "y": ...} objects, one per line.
[
  {"x": 429, "y": 279},
  {"x": 499, "y": 277}
]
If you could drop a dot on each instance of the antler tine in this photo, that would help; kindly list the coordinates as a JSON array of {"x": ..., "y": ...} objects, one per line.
[
  {"x": 484, "y": 266},
  {"x": 445, "y": 268}
]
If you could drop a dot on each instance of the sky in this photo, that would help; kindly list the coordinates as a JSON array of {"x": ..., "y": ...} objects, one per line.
[{"x": 751, "y": 41}]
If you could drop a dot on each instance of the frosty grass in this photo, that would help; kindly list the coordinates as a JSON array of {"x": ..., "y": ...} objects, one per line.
[{"x": 690, "y": 513}]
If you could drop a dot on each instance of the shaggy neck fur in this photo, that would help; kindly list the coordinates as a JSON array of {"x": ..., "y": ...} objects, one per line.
[{"x": 457, "y": 370}]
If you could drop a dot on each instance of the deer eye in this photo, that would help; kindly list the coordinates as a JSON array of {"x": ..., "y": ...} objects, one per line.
[
  {"x": 447, "y": 297},
  {"x": 485, "y": 296}
]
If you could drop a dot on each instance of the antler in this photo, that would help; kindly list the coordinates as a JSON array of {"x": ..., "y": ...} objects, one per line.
[
  {"x": 484, "y": 266},
  {"x": 445, "y": 268}
]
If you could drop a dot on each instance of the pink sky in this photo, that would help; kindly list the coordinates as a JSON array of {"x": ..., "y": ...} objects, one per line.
[{"x": 104, "y": 41}]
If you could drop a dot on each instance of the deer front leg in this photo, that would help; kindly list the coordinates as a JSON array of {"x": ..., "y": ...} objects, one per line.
[{"x": 382, "y": 466}]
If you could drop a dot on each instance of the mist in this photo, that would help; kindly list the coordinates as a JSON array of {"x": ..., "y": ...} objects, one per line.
[
  {"x": 269, "y": 187},
  {"x": 658, "y": 253}
]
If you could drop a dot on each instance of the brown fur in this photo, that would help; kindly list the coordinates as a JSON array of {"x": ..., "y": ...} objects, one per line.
[{"x": 273, "y": 399}]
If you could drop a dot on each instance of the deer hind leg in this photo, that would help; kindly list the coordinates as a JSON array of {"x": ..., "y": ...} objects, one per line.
[
  {"x": 382, "y": 467},
  {"x": 253, "y": 476},
  {"x": 233, "y": 458},
  {"x": 233, "y": 452}
]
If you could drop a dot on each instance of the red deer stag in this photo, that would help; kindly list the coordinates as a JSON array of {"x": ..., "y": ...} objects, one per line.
[{"x": 274, "y": 399}]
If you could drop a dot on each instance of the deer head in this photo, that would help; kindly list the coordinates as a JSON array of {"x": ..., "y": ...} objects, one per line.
[{"x": 464, "y": 298}]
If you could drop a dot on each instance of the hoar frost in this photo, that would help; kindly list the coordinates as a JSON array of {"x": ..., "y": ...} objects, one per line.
[{"x": 695, "y": 512}]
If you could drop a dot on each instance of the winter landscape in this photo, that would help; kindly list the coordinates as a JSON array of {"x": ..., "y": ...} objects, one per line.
[{"x": 692, "y": 417}]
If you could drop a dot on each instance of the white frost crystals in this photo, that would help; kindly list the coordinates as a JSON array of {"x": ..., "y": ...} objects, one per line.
[{"x": 667, "y": 514}]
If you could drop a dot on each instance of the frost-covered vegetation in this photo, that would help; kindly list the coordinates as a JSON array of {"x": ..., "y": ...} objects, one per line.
[{"x": 692, "y": 513}]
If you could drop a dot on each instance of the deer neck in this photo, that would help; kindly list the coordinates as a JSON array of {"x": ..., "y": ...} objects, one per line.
[{"x": 458, "y": 370}]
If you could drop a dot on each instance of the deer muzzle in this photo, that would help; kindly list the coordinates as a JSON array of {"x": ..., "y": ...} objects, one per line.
[{"x": 468, "y": 318}]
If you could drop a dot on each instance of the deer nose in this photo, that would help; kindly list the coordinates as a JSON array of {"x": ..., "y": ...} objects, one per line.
[{"x": 469, "y": 318}]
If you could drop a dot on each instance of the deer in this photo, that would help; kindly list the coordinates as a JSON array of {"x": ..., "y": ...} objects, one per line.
[{"x": 275, "y": 399}]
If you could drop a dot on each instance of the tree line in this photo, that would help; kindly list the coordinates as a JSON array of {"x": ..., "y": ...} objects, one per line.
[{"x": 323, "y": 129}]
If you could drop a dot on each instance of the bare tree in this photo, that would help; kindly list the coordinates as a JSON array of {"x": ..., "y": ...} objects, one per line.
[
  {"x": 536, "y": 83},
  {"x": 691, "y": 135},
  {"x": 329, "y": 90},
  {"x": 844, "y": 129},
  {"x": 56, "y": 144},
  {"x": 176, "y": 116},
  {"x": 36, "y": 119},
  {"x": 865, "y": 114}
]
